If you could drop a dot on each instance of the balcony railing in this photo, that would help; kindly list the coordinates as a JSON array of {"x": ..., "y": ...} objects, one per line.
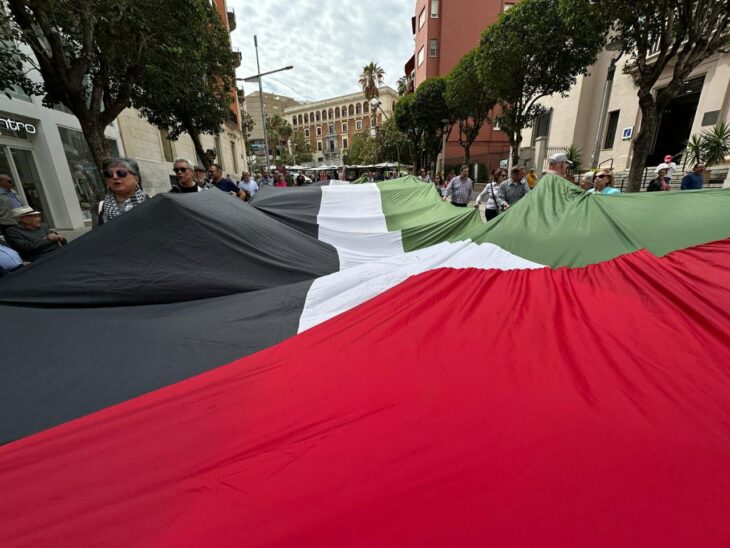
[
  {"x": 237, "y": 58},
  {"x": 231, "y": 20}
]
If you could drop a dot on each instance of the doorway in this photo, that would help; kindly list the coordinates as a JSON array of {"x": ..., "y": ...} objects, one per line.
[
  {"x": 676, "y": 123},
  {"x": 20, "y": 165}
]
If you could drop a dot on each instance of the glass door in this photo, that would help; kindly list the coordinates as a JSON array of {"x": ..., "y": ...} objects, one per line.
[{"x": 27, "y": 181}]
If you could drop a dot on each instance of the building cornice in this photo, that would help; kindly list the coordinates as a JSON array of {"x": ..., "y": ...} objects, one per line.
[{"x": 337, "y": 101}]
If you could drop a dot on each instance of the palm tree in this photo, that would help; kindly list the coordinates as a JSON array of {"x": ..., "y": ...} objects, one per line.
[
  {"x": 405, "y": 85},
  {"x": 372, "y": 76}
]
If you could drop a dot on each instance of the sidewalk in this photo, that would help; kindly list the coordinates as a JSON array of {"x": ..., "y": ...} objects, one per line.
[{"x": 72, "y": 234}]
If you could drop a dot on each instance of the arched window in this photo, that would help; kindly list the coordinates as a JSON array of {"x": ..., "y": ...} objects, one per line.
[
  {"x": 351, "y": 110},
  {"x": 324, "y": 115},
  {"x": 366, "y": 107},
  {"x": 318, "y": 116},
  {"x": 358, "y": 109},
  {"x": 306, "y": 118},
  {"x": 337, "y": 112},
  {"x": 331, "y": 114},
  {"x": 294, "y": 120},
  {"x": 300, "y": 119}
]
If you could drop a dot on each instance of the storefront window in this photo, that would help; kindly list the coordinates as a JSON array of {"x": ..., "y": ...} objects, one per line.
[
  {"x": 86, "y": 176},
  {"x": 12, "y": 125}
]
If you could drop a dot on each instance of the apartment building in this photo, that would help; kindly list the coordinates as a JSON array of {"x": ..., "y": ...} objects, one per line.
[
  {"x": 601, "y": 115},
  {"x": 330, "y": 124},
  {"x": 273, "y": 104}
]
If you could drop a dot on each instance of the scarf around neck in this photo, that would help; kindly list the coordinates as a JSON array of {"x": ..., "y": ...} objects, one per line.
[{"x": 113, "y": 209}]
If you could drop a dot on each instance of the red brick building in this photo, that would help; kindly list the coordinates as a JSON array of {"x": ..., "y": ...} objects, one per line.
[{"x": 443, "y": 32}]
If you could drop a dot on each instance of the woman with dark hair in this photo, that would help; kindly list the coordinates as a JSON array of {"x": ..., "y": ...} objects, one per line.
[
  {"x": 124, "y": 188},
  {"x": 491, "y": 194},
  {"x": 280, "y": 180},
  {"x": 660, "y": 183}
]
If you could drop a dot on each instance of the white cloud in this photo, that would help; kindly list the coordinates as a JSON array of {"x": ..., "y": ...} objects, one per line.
[{"x": 327, "y": 41}]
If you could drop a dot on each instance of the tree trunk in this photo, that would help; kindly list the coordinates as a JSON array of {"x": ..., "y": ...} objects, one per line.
[
  {"x": 642, "y": 144},
  {"x": 467, "y": 154},
  {"x": 195, "y": 136},
  {"x": 94, "y": 136},
  {"x": 515, "y": 142}
]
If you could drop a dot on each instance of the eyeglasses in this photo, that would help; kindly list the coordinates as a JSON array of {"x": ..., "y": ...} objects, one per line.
[
  {"x": 601, "y": 176},
  {"x": 180, "y": 169},
  {"x": 110, "y": 173}
]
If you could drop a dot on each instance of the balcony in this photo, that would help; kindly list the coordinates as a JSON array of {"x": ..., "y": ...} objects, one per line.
[
  {"x": 237, "y": 58},
  {"x": 231, "y": 20}
]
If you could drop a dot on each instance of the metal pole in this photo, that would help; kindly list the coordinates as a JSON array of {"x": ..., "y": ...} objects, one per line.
[{"x": 263, "y": 114}]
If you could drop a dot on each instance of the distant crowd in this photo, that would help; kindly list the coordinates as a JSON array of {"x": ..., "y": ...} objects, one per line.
[{"x": 27, "y": 239}]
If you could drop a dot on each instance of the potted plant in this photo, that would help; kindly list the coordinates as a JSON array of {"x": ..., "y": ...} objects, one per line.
[{"x": 710, "y": 148}]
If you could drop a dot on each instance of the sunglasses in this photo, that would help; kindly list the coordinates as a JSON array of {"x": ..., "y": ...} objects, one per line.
[
  {"x": 601, "y": 176},
  {"x": 110, "y": 173},
  {"x": 180, "y": 169}
]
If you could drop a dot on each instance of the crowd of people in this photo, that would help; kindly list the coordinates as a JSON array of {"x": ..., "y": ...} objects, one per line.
[{"x": 27, "y": 239}]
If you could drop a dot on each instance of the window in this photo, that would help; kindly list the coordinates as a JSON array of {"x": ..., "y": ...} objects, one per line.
[
  {"x": 434, "y": 9},
  {"x": 611, "y": 129},
  {"x": 421, "y": 57},
  {"x": 318, "y": 116},
  {"x": 422, "y": 19},
  {"x": 358, "y": 109},
  {"x": 306, "y": 118},
  {"x": 433, "y": 48},
  {"x": 331, "y": 129},
  {"x": 235, "y": 157},
  {"x": 324, "y": 115},
  {"x": 319, "y": 146},
  {"x": 351, "y": 110},
  {"x": 319, "y": 131},
  {"x": 344, "y": 142},
  {"x": 344, "y": 127},
  {"x": 167, "y": 153},
  {"x": 294, "y": 120},
  {"x": 366, "y": 107},
  {"x": 358, "y": 125},
  {"x": 306, "y": 132},
  {"x": 300, "y": 119},
  {"x": 507, "y": 6},
  {"x": 337, "y": 112},
  {"x": 331, "y": 114},
  {"x": 542, "y": 125}
]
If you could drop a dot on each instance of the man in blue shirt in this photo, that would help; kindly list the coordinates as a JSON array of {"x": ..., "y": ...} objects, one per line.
[
  {"x": 223, "y": 183},
  {"x": 9, "y": 260},
  {"x": 694, "y": 180}
]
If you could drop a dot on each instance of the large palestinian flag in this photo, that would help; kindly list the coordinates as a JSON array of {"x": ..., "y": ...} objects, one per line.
[{"x": 559, "y": 376}]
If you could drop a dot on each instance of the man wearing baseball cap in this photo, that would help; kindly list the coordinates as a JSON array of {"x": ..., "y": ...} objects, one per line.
[
  {"x": 29, "y": 238},
  {"x": 558, "y": 164}
]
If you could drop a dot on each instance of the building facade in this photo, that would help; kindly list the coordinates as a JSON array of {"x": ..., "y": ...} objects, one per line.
[
  {"x": 329, "y": 125},
  {"x": 443, "y": 32},
  {"x": 273, "y": 104},
  {"x": 601, "y": 115}
]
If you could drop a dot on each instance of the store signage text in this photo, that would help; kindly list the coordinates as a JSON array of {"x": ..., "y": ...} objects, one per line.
[{"x": 15, "y": 125}]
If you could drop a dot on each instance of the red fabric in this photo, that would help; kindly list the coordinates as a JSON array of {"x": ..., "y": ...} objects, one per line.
[{"x": 576, "y": 407}]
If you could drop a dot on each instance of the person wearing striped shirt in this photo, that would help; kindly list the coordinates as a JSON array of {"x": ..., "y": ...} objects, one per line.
[{"x": 460, "y": 188}]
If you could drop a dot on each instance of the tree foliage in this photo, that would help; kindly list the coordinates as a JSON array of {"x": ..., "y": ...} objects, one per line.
[
  {"x": 468, "y": 101},
  {"x": 363, "y": 149},
  {"x": 247, "y": 125},
  {"x": 98, "y": 57},
  {"x": 301, "y": 149},
  {"x": 429, "y": 110},
  {"x": 406, "y": 124},
  {"x": 279, "y": 131},
  {"x": 536, "y": 49},
  {"x": 371, "y": 77},
  {"x": 660, "y": 37},
  {"x": 393, "y": 143}
]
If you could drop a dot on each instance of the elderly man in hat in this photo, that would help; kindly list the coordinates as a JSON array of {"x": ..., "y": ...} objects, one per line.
[
  {"x": 558, "y": 164},
  {"x": 29, "y": 238}
]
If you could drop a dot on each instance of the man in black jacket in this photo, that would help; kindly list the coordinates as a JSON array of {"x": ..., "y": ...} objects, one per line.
[{"x": 29, "y": 238}]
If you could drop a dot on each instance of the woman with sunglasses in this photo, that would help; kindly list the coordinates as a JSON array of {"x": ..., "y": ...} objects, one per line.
[
  {"x": 603, "y": 184},
  {"x": 124, "y": 188}
]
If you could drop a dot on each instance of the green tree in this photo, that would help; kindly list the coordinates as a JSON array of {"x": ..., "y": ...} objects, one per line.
[
  {"x": 98, "y": 57},
  {"x": 371, "y": 77},
  {"x": 429, "y": 109},
  {"x": 469, "y": 102},
  {"x": 660, "y": 37},
  {"x": 406, "y": 123},
  {"x": 301, "y": 149},
  {"x": 279, "y": 132},
  {"x": 247, "y": 125},
  {"x": 536, "y": 49},
  {"x": 393, "y": 143},
  {"x": 15, "y": 63},
  {"x": 363, "y": 149},
  {"x": 201, "y": 103}
]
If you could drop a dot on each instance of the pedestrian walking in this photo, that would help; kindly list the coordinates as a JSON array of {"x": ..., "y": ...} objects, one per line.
[
  {"x": 124, "y": 188},
  {"x": 460, "y": 188},
  {"x": 185, "y": 177},
  {"x": 694, "y": 180},
  {"x": 514, "y": 189},
  {"x": 490, "y": 194}
]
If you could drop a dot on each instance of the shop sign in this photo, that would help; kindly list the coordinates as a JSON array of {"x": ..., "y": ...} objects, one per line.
[{"x": 16, "y": 126}]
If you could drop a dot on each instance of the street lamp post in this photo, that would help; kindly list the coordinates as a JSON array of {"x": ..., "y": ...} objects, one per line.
[
  {"x": 375, "y": 104},
  {"x": 258, "y": 76},
  {"x": 446, "y": 124}
]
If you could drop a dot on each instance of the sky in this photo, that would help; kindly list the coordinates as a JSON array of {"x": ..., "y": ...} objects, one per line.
[{"x": 327, "y": 41}]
